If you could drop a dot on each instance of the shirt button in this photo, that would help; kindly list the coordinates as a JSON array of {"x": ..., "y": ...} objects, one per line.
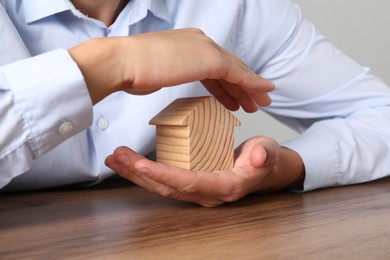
[
  {"x": 103, "y": 123},
  {"x": 65, "y": 128}
]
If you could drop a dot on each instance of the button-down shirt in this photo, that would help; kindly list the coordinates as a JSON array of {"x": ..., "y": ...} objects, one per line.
[{"x": 52, "y": 135}]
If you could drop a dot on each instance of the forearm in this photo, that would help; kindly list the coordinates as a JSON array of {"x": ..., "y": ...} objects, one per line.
[
  {"x": 346, "y": 151},
  {"x": 36, "y": 111}
]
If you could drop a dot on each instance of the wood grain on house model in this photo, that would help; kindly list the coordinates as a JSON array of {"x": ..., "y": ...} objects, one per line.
[{"x": 195, "y": 133}]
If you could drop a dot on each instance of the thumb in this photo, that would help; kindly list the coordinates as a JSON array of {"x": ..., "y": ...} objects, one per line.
[{"x": 258, "y": 156}]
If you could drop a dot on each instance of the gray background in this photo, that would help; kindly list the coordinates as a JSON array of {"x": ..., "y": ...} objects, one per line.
[{"x": 360, "y": 28}]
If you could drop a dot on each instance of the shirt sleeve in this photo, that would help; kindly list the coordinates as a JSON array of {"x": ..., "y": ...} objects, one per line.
[
  {"x": 341, "y": 110},
  {"x": 43, "y": 102}
]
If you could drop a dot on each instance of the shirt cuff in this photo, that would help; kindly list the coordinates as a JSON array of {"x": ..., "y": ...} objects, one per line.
[{"x": 51, "y": 95}]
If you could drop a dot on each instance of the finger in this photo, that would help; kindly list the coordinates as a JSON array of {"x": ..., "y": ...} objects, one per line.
[
  {"x": 240, "y": 75},
  {"x": 215, "y": 88},
  {"x": 231, "y": 96},
  {"x": 264, "y": 154},
  {"x": 188, "y": 192},
  {"x": 183, "y": 194},
  {"x": 123, "y": 171},
  {"x": 184, "y": 181},
  {"x": 262, "y": 99},
  {"x": 258, "y": 156},
  {"x": 122, "y": 163},
  {"x": 210, "y": 184},
  {"x": 244, "y": 99},
  {"x": 121, "y": 167},
  {"x": 156, "y": 187},
  {"x": 259, "y": 93},
  {"x": 124, "y": 160},
  {"x": 188, "y": 195},
  {"x": 204, "y": 188}
]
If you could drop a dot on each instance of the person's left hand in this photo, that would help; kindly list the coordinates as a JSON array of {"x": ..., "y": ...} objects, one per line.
[{"x": 257, "y": 168}]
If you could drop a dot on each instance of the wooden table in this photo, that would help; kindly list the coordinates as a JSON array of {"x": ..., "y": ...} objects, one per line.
[{"x": 117, "y": 220}]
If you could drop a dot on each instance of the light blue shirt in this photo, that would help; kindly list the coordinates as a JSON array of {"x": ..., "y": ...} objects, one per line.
[{"x": 51, "y": 135}]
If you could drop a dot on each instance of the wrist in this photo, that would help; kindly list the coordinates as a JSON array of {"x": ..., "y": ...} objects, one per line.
[
  {"x": 291, "y": 169},
  {"x": 96, "y": 61}
]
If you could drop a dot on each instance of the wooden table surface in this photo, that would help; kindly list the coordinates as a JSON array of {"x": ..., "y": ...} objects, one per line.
[{"x": 117, "y": 220}]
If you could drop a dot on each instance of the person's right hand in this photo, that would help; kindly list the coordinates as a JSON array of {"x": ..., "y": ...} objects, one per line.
[
  {"x": 261, "y": 165},
  {"x": 145, "y": 63}
]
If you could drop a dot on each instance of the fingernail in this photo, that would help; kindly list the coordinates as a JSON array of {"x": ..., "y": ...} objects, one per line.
[{"x": 123, "y": 159}]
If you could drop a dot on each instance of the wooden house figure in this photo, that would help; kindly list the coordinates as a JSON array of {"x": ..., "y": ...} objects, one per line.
[{"x": 195, "y": 134}]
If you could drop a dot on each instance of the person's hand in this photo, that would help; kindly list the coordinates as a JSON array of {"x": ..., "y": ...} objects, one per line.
[
  {"x": 261, "y": 165},
  {"x": 145, "y": 63}
]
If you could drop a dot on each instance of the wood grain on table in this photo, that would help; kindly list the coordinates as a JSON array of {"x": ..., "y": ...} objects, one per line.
[{"x": 117, "y": 220}]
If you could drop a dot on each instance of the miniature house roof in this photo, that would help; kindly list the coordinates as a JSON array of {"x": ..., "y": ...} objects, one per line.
[{"x": 184, "y": 111}]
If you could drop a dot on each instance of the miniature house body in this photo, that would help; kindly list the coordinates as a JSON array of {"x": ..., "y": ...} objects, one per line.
[{"x": 196, "y": 134}]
